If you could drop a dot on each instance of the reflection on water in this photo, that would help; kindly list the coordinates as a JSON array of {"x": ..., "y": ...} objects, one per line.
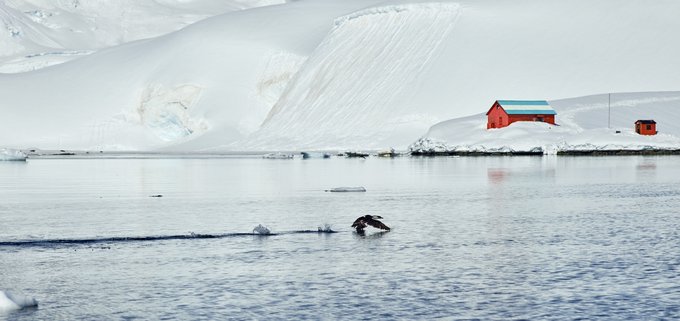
[
  {"x": 646, "y": 166},
  {"x": 369, "y": 235},
  {"x": 646, "y": 170},
  {"x": 491, "y": 238},
  {"x": 497, "y": 175}
]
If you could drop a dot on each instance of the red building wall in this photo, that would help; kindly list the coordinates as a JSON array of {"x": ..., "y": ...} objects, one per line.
[
  {"x": 544, "y": 118},
  {"x": 497, "y": 117},
  {"x": 645, "y": 129}
]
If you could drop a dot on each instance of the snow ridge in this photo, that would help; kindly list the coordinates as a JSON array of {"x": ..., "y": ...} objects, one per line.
[{"x": 438, "y": 6}]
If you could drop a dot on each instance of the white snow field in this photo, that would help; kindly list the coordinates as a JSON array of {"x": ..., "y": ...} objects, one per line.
[
  {"x": 583, "y": 124},
  {"x": 325, "y": 75},
  {"x": 40, "y": 33}
]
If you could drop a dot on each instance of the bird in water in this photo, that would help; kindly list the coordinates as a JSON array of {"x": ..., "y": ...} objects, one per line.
[{"x": 366, "y": 220}]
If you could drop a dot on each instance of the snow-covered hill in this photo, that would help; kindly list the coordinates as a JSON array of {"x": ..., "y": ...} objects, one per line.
[
  {"x": 321, "y": 74},
  {"x": 39, "y": 33},
  {"x": 352, "y": 89},
  {"x": 583, "y": 123}
]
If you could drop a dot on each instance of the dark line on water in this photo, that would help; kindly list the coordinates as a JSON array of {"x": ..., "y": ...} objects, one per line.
[{"x": 126, "y": 239}]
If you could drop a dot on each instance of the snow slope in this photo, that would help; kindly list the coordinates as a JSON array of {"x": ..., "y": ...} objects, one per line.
[
  {"x": 321, "y": 74},
  {"x": 349, "y": 91},
  {"x": 39, "y": 33},
  {"x": 584, "y": 123},
  {"x": 207, "y": 84}
]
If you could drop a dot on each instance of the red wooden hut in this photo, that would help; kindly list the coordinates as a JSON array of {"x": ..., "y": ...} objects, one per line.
[
  {"x": 506, "y": 112},
  {"x": 645, "y": 127}
]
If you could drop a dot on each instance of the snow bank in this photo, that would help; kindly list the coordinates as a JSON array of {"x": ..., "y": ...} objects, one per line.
[
  {"x": 584, "y": 124},
  {"x": 11, "y": 302}
]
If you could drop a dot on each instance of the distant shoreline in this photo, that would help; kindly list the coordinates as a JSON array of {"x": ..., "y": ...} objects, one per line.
[
  {"x": 596, "y": 152},
  {"x": 236, "y": 155}
]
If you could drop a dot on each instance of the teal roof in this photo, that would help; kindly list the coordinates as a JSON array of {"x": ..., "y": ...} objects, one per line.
[
  {"x": 532, "y": 112},
  {"x": 523, "y": 102},
  {"x": 527, "y": 107}
]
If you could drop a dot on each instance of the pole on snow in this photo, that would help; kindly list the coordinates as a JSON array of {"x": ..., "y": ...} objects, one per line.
[{"x": 609, "y": 110}]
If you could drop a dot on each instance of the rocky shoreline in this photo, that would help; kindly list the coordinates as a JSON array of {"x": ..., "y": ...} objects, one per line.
[{"x": 597, "y": 152}]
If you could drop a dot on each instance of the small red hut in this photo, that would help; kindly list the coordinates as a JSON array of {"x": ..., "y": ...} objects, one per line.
[
  {"x": 645, "y": 127},
  {"x": 506, "y": 112}
]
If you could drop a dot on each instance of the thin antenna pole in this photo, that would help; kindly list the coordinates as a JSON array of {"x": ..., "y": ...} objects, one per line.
[{"x": 609, "y": 109}]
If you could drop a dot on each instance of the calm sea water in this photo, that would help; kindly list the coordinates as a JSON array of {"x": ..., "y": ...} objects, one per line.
[{"x": 494, "y": 238}]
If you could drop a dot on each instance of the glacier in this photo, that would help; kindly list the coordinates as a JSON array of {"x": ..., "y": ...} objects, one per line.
[{"x": 315, "y": 74}]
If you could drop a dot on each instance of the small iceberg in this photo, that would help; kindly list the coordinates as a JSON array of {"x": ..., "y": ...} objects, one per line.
[
  {"x": 346, "y": 189},
  {"x": 262, "y": 230},
  {"x": 388, "y": 153},
  {"x": 11, "y": 302},
  {"x": 278, "y": 156},
  {"x": 307, "y": 155},
  {"x": 7, "y": 154}
]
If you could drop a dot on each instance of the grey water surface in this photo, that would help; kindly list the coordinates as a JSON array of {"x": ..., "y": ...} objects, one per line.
[{"x": 485, "y": 238}]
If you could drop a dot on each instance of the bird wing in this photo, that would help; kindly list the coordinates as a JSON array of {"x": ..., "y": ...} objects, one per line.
[
  {"x": 377, "y": 224},
  {"x": 360, "y": 222}
]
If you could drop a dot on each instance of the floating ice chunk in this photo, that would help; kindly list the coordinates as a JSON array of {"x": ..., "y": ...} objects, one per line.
[
  {"x": 262, "y": 230},
  {"x": 7, "y": 154},
  {"x": 278, "y": 156},
  {"x": 347, "y": 189},
  {"x": 388, "y": 153},
  {"x": 12, "y": 302}
]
